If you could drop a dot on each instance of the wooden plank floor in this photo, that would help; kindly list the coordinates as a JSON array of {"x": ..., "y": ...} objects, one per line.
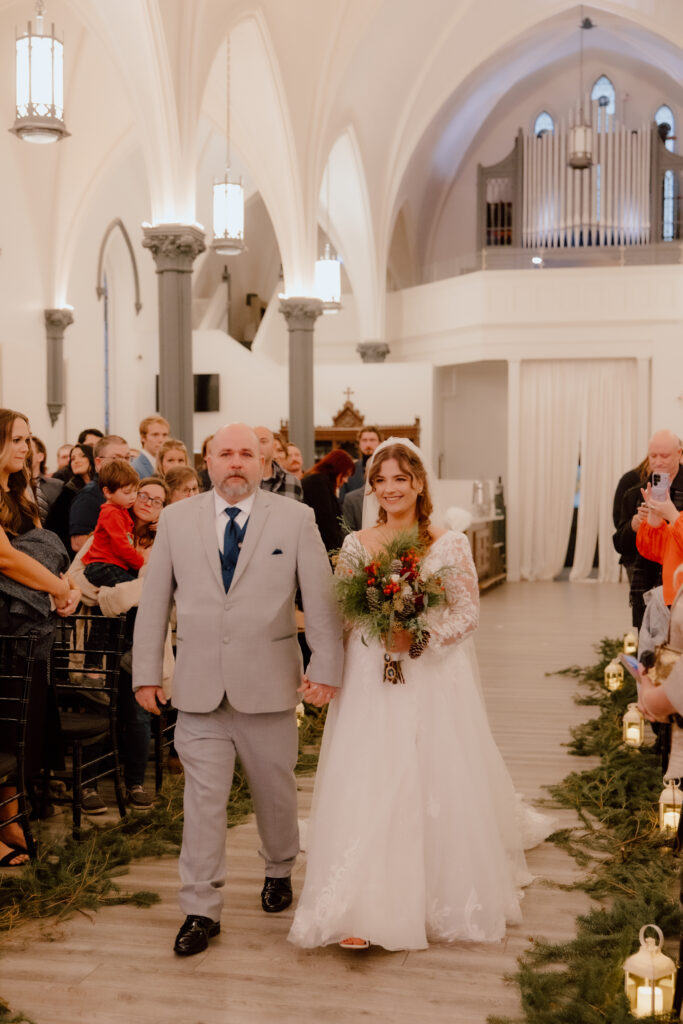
[{"x": 117, "y": 967}]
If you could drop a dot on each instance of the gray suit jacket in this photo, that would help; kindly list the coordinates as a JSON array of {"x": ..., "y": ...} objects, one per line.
[{"x": 243, "y": 643}]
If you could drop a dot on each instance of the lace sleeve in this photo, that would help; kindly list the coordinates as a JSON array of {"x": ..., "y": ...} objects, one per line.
[
  {"x": 460, "y": 616},
  {"x": 348, "y": 554}
]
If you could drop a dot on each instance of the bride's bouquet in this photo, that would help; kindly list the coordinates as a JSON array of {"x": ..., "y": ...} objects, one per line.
[{"x": 390, "y": 593}]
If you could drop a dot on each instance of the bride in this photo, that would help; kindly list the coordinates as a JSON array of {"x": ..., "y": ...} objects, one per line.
[{"x": 416, "y": 831}]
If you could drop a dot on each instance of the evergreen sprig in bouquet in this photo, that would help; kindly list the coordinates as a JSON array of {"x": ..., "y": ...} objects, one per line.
[{"x": 389, "y": 593}]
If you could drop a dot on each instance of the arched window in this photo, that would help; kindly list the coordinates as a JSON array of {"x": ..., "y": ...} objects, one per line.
[
  {"x": 665, "y": 116},
  {"x": 543, "y": 124},
  {"x": 603, "y": 92}
]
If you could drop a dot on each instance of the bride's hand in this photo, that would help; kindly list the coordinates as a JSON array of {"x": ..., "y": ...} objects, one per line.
[{"x": 399, "y": 642}]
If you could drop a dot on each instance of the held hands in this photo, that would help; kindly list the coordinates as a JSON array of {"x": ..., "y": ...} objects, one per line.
[
  {"x": 147, "y": 697},
  {"x": 659, "y": 510},
  {"x": 316, "y": 693},
  {"x": 67, "y": 602}
]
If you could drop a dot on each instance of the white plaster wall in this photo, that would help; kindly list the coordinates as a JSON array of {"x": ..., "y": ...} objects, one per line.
[{"x": 473, "y": 421}]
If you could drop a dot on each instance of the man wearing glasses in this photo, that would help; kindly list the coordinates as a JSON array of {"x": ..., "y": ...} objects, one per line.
[{"x": 85, "y": 508}]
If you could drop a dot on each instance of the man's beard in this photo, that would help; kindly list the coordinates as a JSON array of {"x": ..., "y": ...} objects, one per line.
[{"x": 234, "y": 491}]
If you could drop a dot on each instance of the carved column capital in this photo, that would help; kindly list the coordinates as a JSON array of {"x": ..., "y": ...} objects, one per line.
[
  {"x": 373, "y": 351},
  {"x": 56, "y": 322},
  {"x": 301, "y": 312},
  {"x": 174, "y": 246}
]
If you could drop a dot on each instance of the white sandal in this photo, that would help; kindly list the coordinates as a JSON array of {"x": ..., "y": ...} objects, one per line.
[{"x": 354, "y": 943}]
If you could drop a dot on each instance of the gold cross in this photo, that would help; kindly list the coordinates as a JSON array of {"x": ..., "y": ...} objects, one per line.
[{"x": 348, "y": 394}]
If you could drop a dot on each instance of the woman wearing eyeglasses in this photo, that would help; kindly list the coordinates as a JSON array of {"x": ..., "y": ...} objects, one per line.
[{"x": 134, "y": 721}]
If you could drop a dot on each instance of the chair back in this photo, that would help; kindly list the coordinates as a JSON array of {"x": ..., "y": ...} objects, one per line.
[
  {"x": 86, "y": 658},
  {"x": 16, "y": 672}
]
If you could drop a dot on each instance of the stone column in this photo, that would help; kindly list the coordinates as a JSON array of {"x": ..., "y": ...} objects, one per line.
[
  {"x": 373, "y": 351},
  {"x": 301, "y": 314},
  {"x": 175, "y": 248},
  {"x": 56, "y": 322}
]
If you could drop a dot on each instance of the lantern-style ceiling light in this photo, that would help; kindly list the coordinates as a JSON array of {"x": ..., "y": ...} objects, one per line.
[
  {"x": 580, "y": 141},
  {"x": 633, "y": 727},
  {"x": 649, "y": 977},
  {"x": 228, "y": 195},
  {"x": 630, "y": 643},
  {"x": 39, "y": 83},
  {"x": 328, "y": 267},
  {"x": 614, "y": 676},
  {"x": 328, "y": 281},
  {"x": 670, "y": 804}
]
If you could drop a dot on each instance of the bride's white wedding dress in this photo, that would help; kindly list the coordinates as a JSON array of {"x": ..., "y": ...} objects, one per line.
[{"x": 416, "y": 831}]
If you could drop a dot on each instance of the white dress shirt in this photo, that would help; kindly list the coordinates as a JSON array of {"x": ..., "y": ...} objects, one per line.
[{"x": 245, "y": 506}]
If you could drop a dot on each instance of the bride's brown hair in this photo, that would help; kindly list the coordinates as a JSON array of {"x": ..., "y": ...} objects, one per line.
[{"x": 412, "y": 466}]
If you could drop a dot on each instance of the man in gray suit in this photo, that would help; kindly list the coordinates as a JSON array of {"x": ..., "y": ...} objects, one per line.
[{"x": 232, "y": 559}]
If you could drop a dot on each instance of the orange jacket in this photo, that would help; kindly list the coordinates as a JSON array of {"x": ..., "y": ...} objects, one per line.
[{"x": 663, "y": 544}]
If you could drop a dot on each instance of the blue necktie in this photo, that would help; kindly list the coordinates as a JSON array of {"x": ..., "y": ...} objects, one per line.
[{"x": 231, "y": 546}]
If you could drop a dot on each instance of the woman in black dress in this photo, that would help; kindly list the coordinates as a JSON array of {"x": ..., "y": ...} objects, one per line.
[
  {"x": 82, "y": 465},
  {"x": 321, "y": 487},
  {"x": 33, "y": 582}
]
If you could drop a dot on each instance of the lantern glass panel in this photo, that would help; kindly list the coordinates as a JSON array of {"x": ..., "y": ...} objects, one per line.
[
  {"x": 328, "y": 279},
  {"x": 228, "y": 212}
]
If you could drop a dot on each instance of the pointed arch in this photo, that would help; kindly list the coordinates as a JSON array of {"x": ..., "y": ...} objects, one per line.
[{"x": 99, "y": 288}]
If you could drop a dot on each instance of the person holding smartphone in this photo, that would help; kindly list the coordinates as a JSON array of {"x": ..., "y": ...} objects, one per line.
[{"x": 660, "y": 536}]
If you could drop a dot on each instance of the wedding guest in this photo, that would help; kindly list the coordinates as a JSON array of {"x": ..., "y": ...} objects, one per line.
[
  {"x": 153, "y": 432},
  {"x": 82, "y": 471},
  {"x": 45, "y": 488},
  {"x": 33, "y": 564},
  {"x": 91, "y": 435},
  {"x": 321, "y": 488},
  {"x": 63, "y": 472},
  {"x": 275, "y": 478},
  {"x": 204, "y": 478},
  {"x": 171, "y": 453},
  {"x": 113, "y": 557},
  {"x": 368, "y": 440},
  {"x": 123, "y": 598},
  {"x": 182, "y": 482},
  {"x": 279, "y": 449},
  {"x": 294, "y": 462},
  {"x": 85, "y": 507},
  {"x": 664, "y": 453}
]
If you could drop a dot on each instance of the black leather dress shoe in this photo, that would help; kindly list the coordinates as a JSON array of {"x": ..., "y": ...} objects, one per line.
[
  {"x": 194, "y": 935},
  {"x": 276, "y": 895}
]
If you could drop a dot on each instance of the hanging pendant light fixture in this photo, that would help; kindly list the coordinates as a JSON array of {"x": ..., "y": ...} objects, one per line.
[
  {"x": 39, "y": 83},
  {"x": 580, "y": 140},
  {"x": 328, "y": 268},
  {"x": 228, "y": 195}
]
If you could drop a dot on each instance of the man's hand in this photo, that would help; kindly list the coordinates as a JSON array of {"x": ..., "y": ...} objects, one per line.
[
  {"x": 639, "y": 517},
  {"x": 317, "y": 694},
  {"x": 147, "y": 697}
]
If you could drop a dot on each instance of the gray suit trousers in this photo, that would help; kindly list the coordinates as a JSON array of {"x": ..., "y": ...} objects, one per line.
[{"x": 267, "y": 745}]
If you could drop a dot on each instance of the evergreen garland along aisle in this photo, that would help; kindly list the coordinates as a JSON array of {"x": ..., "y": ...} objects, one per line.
[{"x": 632, "y": 873}]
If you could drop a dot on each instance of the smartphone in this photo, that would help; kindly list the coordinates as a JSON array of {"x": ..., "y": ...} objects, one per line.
[
  {"x": 631, "y": 665},
  {"x": 660, "y": 485}
]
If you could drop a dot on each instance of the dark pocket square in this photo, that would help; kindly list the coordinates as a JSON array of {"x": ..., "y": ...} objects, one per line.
[{"x": 278, "y": 551}]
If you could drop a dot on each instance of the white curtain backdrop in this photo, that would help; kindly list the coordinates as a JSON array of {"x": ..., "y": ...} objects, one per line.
[
  {"x": 570, "y": 408},
  {"x": 608, "y": 449}
]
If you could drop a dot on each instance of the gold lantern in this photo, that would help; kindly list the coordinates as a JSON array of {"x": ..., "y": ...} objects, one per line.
[
  {"x": 649, "y": 977},
  {"x": 670, "y": 803},
  {"x": 614, "y": 676},
  {"x": 300, "y": 714},
  {"x": 633, "y": 725},
  {"x": 630, "y": 643}
]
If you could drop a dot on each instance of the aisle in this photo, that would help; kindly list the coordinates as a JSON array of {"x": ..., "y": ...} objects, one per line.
[{"x": 117, "y": 966}]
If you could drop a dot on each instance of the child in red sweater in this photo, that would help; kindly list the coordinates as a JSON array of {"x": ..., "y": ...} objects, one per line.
[{"x": 113, "y": 557}]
